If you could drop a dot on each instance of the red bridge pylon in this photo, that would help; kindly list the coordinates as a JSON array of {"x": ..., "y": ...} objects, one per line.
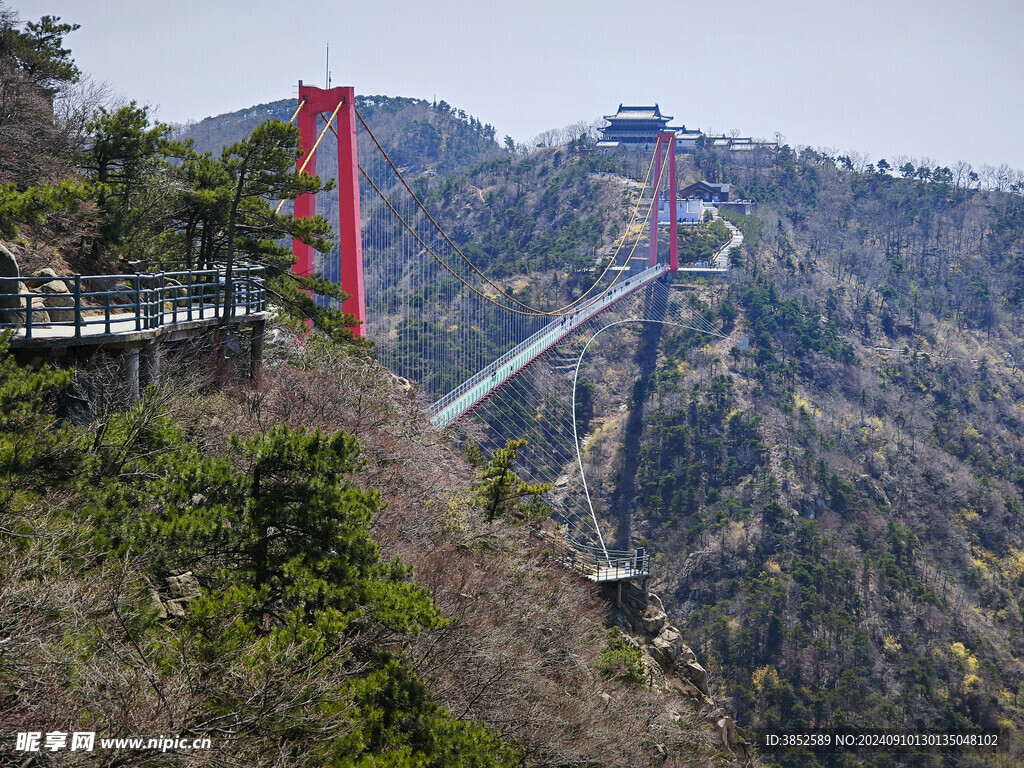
[
  {"x": 319, "y": 102},
  {"x": 666, "y": 139}
]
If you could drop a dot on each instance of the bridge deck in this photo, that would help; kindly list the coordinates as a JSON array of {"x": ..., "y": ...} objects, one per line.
[{"x": 477, "y": 388}]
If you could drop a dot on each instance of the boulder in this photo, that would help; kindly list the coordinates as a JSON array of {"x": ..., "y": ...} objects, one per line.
[
  {"x": 654, "y": 618},
  {"x": 697, "y": 675},
  {"x": 9, "y": 268},
  {"x": 40, "y": 315},
  {"x": 666, "y": 647},
  {"x": 56, "y": 300},
  {"x": 655, "y": 674},
  {"x": 19, "y": 299},
  {"x": 157, "y": 604},
  {"x": 184, "y": 586},
  {"x": 686, "y": 655},
  {"x": 175, "y": 291},
  {"x": 176, "y": 608},
  {"x": 8, "y": 264},
  {"x": 731, "y": 736},
  {"x": 120, "y": 285},
  {"x": 12, "y": 305},
  {"x": 689, "y": 690},
  {"x": 402, "y": 384},
  {"x": 41, "y": 276}
]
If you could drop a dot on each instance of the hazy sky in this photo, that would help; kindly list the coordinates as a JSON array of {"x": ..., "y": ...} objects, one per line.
[{"x": 923, "y": 78}]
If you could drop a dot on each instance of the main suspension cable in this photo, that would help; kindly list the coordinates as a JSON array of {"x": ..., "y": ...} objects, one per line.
[
  {"x": 469, "y": 262},
  {"x": 443, "y": 263},
  {"x": 312, "y": 153}
]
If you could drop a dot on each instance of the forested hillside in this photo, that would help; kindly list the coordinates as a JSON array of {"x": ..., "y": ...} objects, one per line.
[
  {"x": 300, "y": 566},
  {"x": 297, "y": 566},
  {"x": 837, "y": 510},
  {"x": 420, "y": 136}
]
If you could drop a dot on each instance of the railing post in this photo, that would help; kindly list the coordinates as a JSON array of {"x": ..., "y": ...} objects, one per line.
[
  {"x": 138, "y": 302},
  {"x": 106, "y": 311},
  {"x": 28, "y": 316},
  {"x": 78, "y": 306},
  {"x": 189, "y": 295},
  {"x": 216, "y": 297},
  {"x": 174, "y": 302}
]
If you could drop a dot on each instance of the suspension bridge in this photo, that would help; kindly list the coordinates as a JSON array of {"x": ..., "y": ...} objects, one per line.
[{"x": 471, "y": 345}]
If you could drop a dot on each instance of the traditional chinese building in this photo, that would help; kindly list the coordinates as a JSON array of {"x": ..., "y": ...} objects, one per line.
[
  {"x": 637, "y": 127},
  {"x": 633, "y": 127}
]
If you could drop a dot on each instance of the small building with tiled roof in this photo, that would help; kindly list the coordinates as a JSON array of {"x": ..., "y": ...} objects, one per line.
[
  {"x": 686, "y": 141},
  {"x": 706, "y": 191}
]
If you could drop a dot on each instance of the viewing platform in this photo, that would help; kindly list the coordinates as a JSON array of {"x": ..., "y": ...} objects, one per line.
[
  {"x": 130, "y": 313},
  {"x": 600, "y": 566}
]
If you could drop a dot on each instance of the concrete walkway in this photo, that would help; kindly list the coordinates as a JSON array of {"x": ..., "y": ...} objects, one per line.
[
  {"x": 720, "y": 259},
  {"x": 124, "y": 327}
]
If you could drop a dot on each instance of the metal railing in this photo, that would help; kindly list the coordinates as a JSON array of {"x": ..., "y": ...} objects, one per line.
[
  {"x": 591, "y": 562},
  {"x": 94, "y": 304}
]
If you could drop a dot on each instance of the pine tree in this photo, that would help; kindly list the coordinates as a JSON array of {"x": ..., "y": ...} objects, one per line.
[
  {"x": 125, "y": 161},
  {"x": 37, "y": 454},
  {"x": 502, "y": 493}
]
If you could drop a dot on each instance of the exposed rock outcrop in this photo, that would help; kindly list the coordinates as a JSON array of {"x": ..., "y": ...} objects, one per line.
[
  {"x": 8, "y": 264},
  {"x": 672, "y": 665},
  {"x": 401, "y": 384},
  {"x": 9, "y": 268},
  {"x": 732, "y": 736},
  {"x": 183, "y": 588},
  {"x": 49, "y": 306}
]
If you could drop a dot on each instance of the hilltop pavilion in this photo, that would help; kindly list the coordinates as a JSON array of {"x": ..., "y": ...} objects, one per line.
[{"x": 633, "y": 126}]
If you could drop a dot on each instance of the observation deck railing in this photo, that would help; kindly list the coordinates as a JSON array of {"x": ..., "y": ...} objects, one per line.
[
  {"x": 136, "y": 302},
  {"x": 591, "y": 562}
]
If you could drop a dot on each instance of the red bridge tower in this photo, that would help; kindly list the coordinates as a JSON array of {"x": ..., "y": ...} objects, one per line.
[
  {"x": 324, "y": 102},
  {"x": 666, "y": 139}
]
